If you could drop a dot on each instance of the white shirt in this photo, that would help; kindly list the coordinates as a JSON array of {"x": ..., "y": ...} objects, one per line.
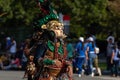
[{"x": 13, "y": 48}]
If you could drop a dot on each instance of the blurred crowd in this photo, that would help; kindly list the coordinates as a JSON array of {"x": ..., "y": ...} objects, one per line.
[
  {"x": 83, "y": 54},
  {"x": 13, "y": 57}
]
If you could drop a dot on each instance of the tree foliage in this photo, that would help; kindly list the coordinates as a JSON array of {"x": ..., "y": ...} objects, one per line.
[
  {"x": 114, "y": 16},
  {"x": 85, "y": 14},
  {"x": 93, "y": 16},
  {"x": 20, "y": 12}
]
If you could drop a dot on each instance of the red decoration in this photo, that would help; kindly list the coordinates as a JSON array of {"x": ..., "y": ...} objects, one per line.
[{"x": 66, "y": 17}]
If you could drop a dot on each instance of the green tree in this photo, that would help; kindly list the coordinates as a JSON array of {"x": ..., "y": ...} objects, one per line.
[
  {"x": 114, "y": 20},
  {"x": 92, "y": 16},
  {"x": 18, "y": 13},
  {"x": 85, "y": 14}
]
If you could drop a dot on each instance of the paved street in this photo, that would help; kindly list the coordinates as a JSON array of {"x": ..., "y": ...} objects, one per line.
[
  {"x": 95, "y": 78},
  {"x": 17, "y": 75}
]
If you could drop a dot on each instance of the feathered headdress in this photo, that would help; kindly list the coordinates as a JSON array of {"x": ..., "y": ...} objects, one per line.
[{"x": 48, "y": 13}]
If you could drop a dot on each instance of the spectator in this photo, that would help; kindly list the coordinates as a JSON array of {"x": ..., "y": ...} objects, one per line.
[
  {"x": 4, "y": 60},
  {"x": 109, "y": 53},
  {"x": 8, "y": 43},
  {"x": 92, "y": 57},
  {"x": 110, "y": 36},
  {"x": 15, "y": 63},
  {"x": 115, "y": 61},
  {"x": 20, "y": 54},
  {"x": 13, "y": 47},
  {"x": 97, "y": 69},
  {"x": 70, "y": 49},
  {"x": 80, "y": 49}
]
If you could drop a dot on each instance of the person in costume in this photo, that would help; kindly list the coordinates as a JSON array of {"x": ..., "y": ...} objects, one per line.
[
  {"x": 55, "y": 55},
  {"x": 47, "y": 47}
]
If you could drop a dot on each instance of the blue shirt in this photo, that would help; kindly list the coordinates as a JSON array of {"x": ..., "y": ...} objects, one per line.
[
  {"x": 8, "y": 43},
  {"x": 91, "y": 52},
  {"x": 91, "y": 48},
  {"x": 80, "y": 49}
]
